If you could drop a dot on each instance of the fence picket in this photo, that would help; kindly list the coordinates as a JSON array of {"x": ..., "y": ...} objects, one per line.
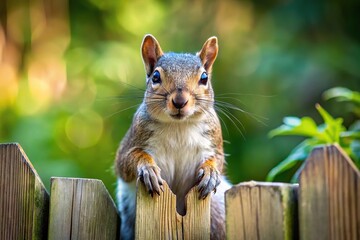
[
  {"x": 329, "y": 196},
  {"x": 81, "y": 209},
  {"x": 157, "y": 218},
  {"x": 258, "y": 210},
  {"x": 23, "y": 197}
]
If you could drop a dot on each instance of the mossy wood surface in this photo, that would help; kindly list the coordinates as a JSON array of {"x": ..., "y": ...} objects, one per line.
[
  {"x": 258, "y": 210},
  {"x": 81, "y": 209},
  {"x": 157, "y": 218},
  {"x": 329, "y": 196},
  {"x": 23, "y": 197}
]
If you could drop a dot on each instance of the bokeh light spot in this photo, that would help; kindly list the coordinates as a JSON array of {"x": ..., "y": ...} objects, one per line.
[
  {"x": 8, "y": 85},
  {"x": 84, "y": 129},
  {"x": 47, "y": 80}
]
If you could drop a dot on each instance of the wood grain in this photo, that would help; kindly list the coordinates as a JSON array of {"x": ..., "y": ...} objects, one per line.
[
  {"x": 329, "y": 196},
  {"x": 257, "y": 210},
  {"x": 81, "y": 209},
  {"x": 196, "y": 222},
  {"x": 23, "y": 197},
  {"x": 156, "y": 217}
]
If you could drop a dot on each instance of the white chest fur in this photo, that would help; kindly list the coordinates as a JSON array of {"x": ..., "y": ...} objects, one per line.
[{"x": 179, "y": 149}]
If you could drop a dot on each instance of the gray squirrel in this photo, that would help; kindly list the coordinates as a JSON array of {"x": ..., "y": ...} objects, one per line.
[{"x": 175, "y": 135}]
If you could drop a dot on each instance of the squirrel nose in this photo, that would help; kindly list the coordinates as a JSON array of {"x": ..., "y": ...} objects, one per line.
[{"x": 179, "y": 101}]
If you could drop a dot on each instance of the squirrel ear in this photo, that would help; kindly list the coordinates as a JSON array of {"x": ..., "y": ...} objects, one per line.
[
  {"x": 208, "y": 53},
  {"x": 151, "y": 52}
]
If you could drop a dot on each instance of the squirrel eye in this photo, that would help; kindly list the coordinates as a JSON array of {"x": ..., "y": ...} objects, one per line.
[
  {"x": 156, "y": 77},
  {"x": 203, "y": 79}
]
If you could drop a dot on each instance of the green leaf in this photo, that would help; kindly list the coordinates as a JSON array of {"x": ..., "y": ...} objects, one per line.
[
  {"x": 328, "y": 119},
  {"x": 351, "y": 140},
  {"x": 292, "y": 121},
  {"x": 298, "y": 154},
  {"x": 342, "y": 94},
  {"x": 355, "y": 126},
  {"x": 295, "y": 126},
  {"x": 355, "y": 152},
  {"x": 351, "y": 135},
  {"x": 332, "y": 127}
]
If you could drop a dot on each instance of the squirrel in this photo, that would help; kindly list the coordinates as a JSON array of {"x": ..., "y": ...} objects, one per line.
[{"x": 175, "y": 135}]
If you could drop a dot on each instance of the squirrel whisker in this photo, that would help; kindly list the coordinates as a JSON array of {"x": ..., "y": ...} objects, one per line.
[
  {"x": 157, "y": 94},
  {"x": 231, "y": 117},
  {"x": 122, "y": 110},
  {"x": 244, "y": 94},
  {"x": 234, "y": 107},
  {"x": 167, "y": 91},
  {"x": 254, "y": 116}
]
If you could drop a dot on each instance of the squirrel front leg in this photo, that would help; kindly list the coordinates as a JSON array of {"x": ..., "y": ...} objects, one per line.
[
  {"x": 208, "y": 177},
  {"x": 138, "y": 163},
  {"x": 209, "y": 171}
]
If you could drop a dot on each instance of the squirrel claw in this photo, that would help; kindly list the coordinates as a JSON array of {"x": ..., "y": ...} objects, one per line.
[
  {"x": 150, "y": 176},
  {"x": 209, "y": 179},
  {"x": 200, "y": 174}
]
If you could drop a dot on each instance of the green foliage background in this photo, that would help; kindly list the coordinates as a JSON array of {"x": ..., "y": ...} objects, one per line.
[{"x": 71, "y": 73}]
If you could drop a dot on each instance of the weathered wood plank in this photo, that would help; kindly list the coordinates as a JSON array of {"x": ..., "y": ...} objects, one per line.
[
  {"x": 23, "y": 197},
  {"x": 329, "y": 196},
  {"x": 258, "y": 210},
  {"x": 157, "y": 218},
  {"x": 81, "y": 209},
  {"x": 196, "y": 222}
]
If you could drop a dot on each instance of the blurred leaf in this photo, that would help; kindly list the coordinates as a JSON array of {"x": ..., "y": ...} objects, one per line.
[
  {"x": 298, "y": 154},
  {"x": 328, "y": 119},
  {"x": 351, "y": 135},
  {"x": 355, "y": 152},
  {"x": 342, "y": 94},
  {"x": 292, "y": 121},
  {"x": 332, "y": 127},
  {"x": 355, "y": 126},
  {"x": 295, "y": 126},
  {"x": 354, "y": 135}
]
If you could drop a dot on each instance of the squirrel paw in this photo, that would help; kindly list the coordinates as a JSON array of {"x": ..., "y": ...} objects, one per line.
[
  {"x": 208, "y": 179},
  {"x": 150, "y": 176}
]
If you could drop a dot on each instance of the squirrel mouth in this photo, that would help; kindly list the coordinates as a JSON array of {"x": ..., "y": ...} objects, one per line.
[{"x": 179, "y": 115}]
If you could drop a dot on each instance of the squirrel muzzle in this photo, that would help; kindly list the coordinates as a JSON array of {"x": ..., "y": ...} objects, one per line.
[{"x": 180, "y": 104}]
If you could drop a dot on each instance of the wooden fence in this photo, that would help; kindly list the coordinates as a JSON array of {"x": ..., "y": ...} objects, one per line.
[{"x": 324, "y": 205}]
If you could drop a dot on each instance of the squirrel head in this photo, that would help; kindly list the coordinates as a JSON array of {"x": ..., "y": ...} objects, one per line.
[{"x": 178, "y": 84}]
